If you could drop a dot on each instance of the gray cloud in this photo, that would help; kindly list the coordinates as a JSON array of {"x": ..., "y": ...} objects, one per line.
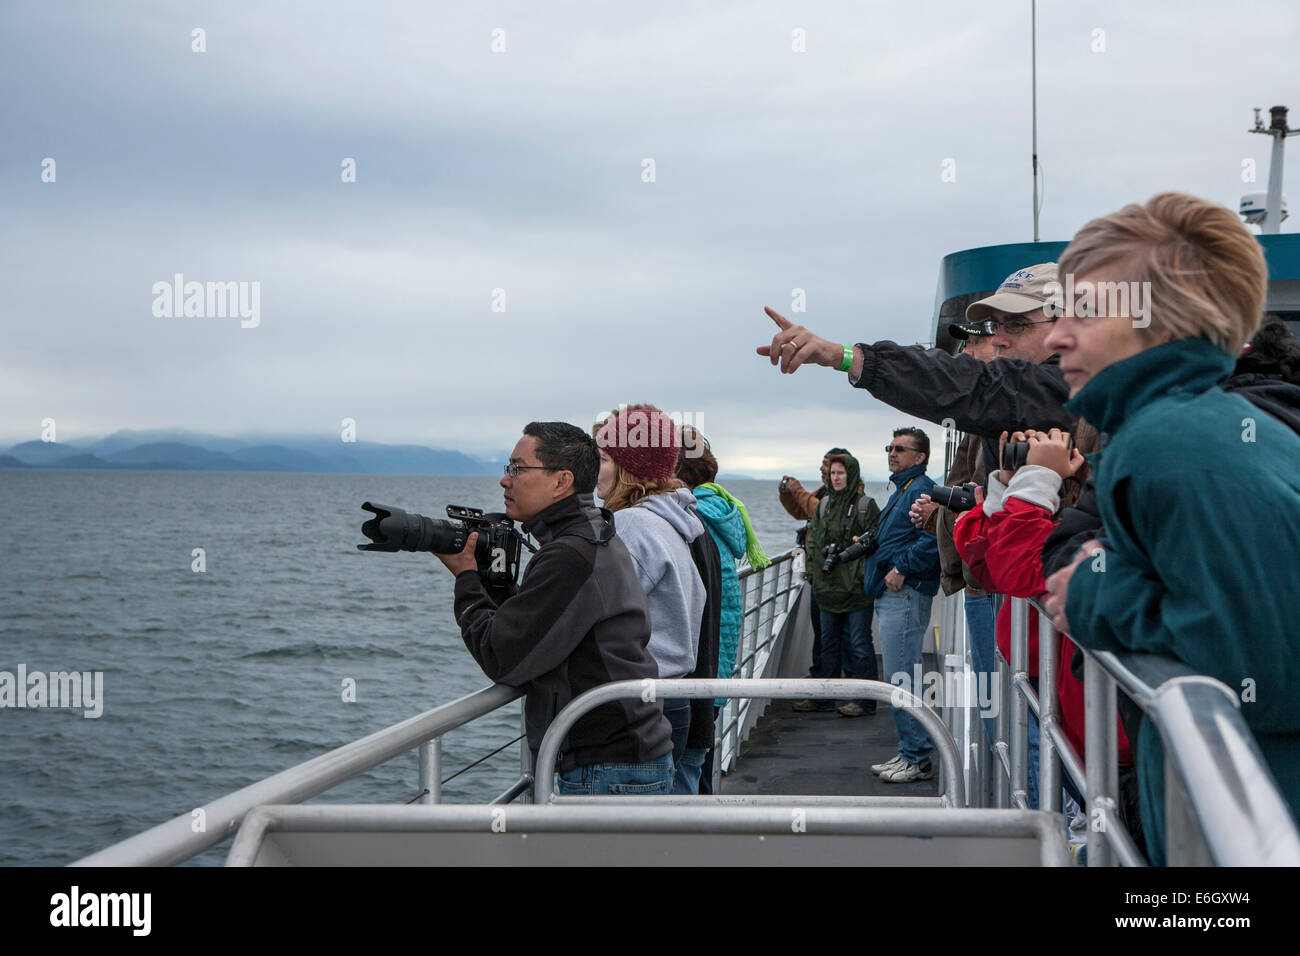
[{"x": 521, "y": 171}]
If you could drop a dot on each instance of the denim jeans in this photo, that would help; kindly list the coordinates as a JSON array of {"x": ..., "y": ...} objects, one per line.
[
  {"x": 903, "y": 616},
  {"x": 980, "y": 631},
  {"x": 846, "y": 646},
  {"x": 633, "y": 779},
  {"x": 686, "y": 779}
]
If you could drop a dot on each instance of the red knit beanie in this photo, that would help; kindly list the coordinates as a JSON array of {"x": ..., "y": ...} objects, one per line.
[{"x": 643, "y": 441}]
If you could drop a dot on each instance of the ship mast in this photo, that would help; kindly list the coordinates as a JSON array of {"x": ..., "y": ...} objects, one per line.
[
  {"x": 1033, "y": 73},
  {"x": 1278, "y": 130}
]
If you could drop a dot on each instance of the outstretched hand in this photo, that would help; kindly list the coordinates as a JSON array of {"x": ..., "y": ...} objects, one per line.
[{"x": 794, "y": 345}]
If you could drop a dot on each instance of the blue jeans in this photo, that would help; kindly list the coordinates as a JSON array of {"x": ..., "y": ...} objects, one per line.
[
  {"x": 980, "y": 632},
  {"x": 846, "y": 645},
  {"x": 903, "y": 617},
  {"x": 631, "y": 779},
  {"x": 689, "y": 768}
]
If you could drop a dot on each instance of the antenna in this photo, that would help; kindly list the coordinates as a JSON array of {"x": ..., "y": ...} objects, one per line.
[
  {"x": 1033, "y": 73},
  {"x": 1269, "y": 219}
]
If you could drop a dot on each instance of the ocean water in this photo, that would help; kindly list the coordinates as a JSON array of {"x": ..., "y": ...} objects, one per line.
[{"x": 214, "y": 680}]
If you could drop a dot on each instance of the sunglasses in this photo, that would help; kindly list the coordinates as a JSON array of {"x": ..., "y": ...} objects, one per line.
[
  {"x": 889, "y": 448},
  {"x": 1012, "y": 326}
]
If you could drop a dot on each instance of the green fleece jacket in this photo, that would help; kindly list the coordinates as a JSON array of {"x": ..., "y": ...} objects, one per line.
[
  {"x": 1199, "y": 493},
  {"x": 840, "y": 516}
]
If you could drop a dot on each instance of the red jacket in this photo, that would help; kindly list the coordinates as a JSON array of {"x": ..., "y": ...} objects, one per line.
[{"x": 1004, "y": 553}]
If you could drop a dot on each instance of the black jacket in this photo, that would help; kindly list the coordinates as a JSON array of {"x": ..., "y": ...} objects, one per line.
[
  {"x": 577, "y": 620},
  {"x": 704, "y": 552},
  {"x": 981, "y": 398}
]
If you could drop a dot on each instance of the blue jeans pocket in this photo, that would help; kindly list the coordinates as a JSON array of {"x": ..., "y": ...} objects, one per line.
[{"x": 639, "y": 789}]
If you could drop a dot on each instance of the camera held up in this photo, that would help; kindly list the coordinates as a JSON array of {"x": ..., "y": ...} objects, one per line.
[{"x": 497, "y": 551}]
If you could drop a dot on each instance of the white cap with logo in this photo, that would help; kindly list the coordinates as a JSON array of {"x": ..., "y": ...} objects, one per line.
[{"x": 1022, "y": 291}]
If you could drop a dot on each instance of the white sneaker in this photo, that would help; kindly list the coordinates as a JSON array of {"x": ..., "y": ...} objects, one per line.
[
  {"x": 890, "y": 765},
  {"x": 909, "y": 772}
]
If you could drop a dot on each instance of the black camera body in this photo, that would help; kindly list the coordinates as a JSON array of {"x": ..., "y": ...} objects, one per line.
[
  {"x": 864, "y": 547},
  {"x": 956, "y": 498},
  {"x": 496, "y": 552}
]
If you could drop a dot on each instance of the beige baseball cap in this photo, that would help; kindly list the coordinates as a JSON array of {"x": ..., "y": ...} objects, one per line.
[{"x": 1022, "y": 291}]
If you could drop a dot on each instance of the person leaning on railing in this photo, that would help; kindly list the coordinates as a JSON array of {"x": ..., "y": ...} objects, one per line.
[
  {"x": 727, "y": 521},
  {"x": 1002, "y": 541},
  {"x": 676, "y": 562},
  {"x": 1198, "y": 493},
  {"x": 578, "y": 619}
]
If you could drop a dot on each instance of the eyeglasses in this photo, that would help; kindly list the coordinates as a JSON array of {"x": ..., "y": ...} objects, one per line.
[
  {"x": 889, "y": 448},
  {"x": 1012, "y": 326},
  {"x": 513, "y": 470}
]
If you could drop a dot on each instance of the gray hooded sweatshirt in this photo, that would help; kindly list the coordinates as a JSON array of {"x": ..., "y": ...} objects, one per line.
[{"x": 657, "y": 532}]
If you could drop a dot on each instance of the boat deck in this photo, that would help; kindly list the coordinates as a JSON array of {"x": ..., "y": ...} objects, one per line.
[{"x": 790, "y": 752}]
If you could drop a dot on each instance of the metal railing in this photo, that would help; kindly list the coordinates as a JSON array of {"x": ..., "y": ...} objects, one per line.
[
  {"x": 1223, "y": 806},
  {"x": 954, "y": 794},
  {"x": 768, "y": 596},
  {"x": 178, "y": 839}
]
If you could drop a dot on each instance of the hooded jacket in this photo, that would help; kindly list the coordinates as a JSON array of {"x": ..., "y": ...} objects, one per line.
[
  {"x": 840, "y": 516},
  {"x": 1200, "y": 499},
  {"x": 727, "y": 528},
  {"x": 577, "y": 620},
  {"x": 658, "y": 531}
]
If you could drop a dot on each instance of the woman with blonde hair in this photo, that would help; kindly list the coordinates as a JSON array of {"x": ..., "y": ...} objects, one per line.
[
  {"x": 1199, "y": 493},
  {"x": 676, "y": 562}
]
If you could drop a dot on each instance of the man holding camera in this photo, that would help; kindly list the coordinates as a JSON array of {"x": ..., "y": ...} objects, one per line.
[
  {"x": 577, "y": 619},
  {"x": 902, "y": 576}
]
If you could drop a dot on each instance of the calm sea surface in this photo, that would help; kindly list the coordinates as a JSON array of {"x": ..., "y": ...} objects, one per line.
[{"x": 217, "y": 679}]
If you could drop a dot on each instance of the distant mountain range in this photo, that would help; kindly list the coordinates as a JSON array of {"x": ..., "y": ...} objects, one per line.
[{"x": 190, "y": 451}]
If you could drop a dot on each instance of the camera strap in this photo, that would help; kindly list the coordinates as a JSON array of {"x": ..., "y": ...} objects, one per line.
[{"x": 897, "y": 498}]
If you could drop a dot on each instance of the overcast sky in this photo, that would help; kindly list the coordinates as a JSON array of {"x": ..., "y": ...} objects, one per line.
[{"x": 522, "y": 170}]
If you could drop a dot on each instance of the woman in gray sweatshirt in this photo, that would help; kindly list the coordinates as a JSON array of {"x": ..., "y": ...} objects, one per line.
[{"x": 654, "y": 516}]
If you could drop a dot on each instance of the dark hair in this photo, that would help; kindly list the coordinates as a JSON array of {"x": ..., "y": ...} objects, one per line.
[
  {"x": 696, "y": 465},
  {"x": 565, "y": 447},
  {"x": 1274, "y": 351},
  {"x": 922, "y": 439}
]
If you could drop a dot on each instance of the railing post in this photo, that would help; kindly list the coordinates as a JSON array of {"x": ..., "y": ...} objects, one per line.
[
  {"x": 525, "y": 756},
  {"x": 1049, "y": 708},
  {"x": 1184, "y": 845},
  {"x": 1019, "y": 706},
  {"x": 431, "y": 771},
  {"x": 1101, "y": 759},
  {"x": 1001, "y": 775}
]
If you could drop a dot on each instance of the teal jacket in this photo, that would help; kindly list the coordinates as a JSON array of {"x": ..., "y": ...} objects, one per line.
[
  {"x": 723, "y": 521},
  {"x": 1199, "y": 493}
]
